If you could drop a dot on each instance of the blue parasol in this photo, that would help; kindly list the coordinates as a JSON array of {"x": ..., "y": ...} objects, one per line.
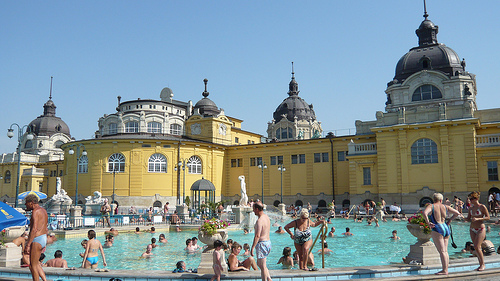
[
  {"x": 10, "y": 217},
  {"x": 40, "y": 195}
]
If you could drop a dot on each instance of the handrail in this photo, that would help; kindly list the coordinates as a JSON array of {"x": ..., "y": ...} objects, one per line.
[
  {"x": 353, "y": 206},
  {"x": 322, "y": 232}
]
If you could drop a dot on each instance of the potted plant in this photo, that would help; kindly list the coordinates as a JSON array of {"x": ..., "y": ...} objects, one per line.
[
  {"x": 419, "y": 228},
  {"x": 212, "y": 230}
]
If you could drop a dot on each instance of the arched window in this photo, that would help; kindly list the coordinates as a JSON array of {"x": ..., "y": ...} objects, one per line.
[
  {"x": 194, "y": 165},
  {"x": 116, "y": 162},
  {"x": 157, "y": 204},
  {"x": 28, "y": 144},
  {"x": 132, "y": 127},
  {"x": 112, "y": 128},
  {"x": 284, "y": 133},
  {"x": 299, "y": 203},
  {"x": 322, "y": 203},
  {"x": 276, "y": 203},
  {"x": 58, "y": 143},
  {"x": 346, "y": 203},
  {"x": 424, "y": 201},
  {"x": 83, "y": 164},
  {"x": 7, "y": 177},
  {"x": 154, "y": 127},
  {"x": 175, "y": 129},
  {"x": 157, "y": 163},
  {"x": 426, "y": 92},
  {"x": 424, "y": 151}
]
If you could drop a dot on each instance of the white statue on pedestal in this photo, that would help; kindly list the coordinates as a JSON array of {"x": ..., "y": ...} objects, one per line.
[
  {"x": 61, "y": 194},
  {"x": 244, "y": 197},
  {"x": 96, "y": 199}
]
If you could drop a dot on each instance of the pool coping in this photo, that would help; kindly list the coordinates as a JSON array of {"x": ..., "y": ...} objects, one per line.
[{"x": 461, "y": 267}]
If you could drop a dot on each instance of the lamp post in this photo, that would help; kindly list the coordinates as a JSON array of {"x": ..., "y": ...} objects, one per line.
[
  {"x": 78, "y": 156},
  {"x": 262, "y": 167},
  {"x": 182, "y": 164},
  {"x": 10, "y": 133},
  {"x": 330, "y": 136},
  {"x": 281, "y": 169},
  {"x": 114, "y": 175}
]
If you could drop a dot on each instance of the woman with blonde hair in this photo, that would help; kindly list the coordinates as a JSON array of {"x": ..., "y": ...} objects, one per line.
[
  {"x": 435, "y": 216},
  {"x": 302, "y": 236},
  {"x": 478, "y": 213}
]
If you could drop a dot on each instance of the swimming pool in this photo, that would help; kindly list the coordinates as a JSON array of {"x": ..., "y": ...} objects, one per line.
[{"x": 369, "y": 246}]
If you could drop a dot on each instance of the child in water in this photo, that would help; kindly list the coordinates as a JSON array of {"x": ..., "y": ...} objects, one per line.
[
  {"x": 286, "y": 260},
  {"x": 217, "y": 257},
  {"x": 246, "y": 247}
]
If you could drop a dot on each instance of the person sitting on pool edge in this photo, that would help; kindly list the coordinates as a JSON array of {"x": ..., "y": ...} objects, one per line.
[
  {"x": 235, "y": 265},
  {"x": 180, "y": 267}
]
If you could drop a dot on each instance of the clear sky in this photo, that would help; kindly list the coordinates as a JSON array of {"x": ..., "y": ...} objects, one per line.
[{"x": 344, "y": 54}]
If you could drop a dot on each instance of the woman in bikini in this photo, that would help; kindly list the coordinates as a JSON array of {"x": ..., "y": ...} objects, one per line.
[
  {"x": 302, "y": 235},
  {"x": 435, "y": 215},
  {"x": 91, "y": 256},
  {"x": 478, "y": 213}
]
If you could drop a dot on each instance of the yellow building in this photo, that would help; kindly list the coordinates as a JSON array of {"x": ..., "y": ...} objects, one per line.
[{"x": 431, "y": 137}]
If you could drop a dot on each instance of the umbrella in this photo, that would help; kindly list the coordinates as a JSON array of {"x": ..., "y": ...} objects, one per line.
[
  {"x": 10, "y": 217},
  {"x": 40, "y": 195}
]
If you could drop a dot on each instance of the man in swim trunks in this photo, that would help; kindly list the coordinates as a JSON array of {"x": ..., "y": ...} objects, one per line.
[
  {"x": 261, "y": 241},
  {"x": 37, "y": 239}
]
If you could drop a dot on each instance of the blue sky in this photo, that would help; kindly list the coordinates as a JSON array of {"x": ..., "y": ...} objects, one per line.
[{"x": 344, "y": 52}]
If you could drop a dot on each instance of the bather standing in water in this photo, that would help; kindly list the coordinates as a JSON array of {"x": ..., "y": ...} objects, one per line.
[
  {"x": 91, "y": 256},
  {"x": 435, "y": 216}
]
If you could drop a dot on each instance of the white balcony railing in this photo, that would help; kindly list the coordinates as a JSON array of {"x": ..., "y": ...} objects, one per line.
[
  {"x": 362, "y": 148},
  {"x": 488, "y": 140}
]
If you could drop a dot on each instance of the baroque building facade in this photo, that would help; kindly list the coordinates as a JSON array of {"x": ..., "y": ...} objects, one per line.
[{"x": 431, "y": 137}]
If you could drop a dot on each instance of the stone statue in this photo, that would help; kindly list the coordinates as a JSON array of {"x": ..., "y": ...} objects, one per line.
[
  {"x": 96, "y": 199},
  {"x": 61, "y": 194},
  {"x": 244, "y": 197}
]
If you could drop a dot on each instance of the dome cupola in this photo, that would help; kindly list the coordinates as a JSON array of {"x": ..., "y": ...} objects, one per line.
[{"x": 206, "y": 106}]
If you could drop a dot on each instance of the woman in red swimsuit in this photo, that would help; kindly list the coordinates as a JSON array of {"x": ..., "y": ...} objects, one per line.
[{"x": 478, "y": 213}]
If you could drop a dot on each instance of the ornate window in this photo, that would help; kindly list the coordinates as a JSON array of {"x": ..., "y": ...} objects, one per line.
[
  {"x": 116, "y": 162},
  {"x": 157, "y": 163},
  {"x": 132, "y": 127},
  {"x": 175, "y": 129},
  {"x": 194, "y": 165},
  {"x": 28, "y": 144},
  {"x": 426, "y": 92},
  {"x": 112, "y": 128},
  {"x": 284, "y": 133},
  {"x": 83, "y": 164},
  {"x": 424, "y": 151},
  {"x": 58, "y": 143},
  {"x": 7, "y": 177},
  {"x": 154, "y": 127}
]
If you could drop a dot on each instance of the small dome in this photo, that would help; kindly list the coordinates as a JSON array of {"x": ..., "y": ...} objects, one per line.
[
  {"x": 203, "y": 184},
  {"x": 206, "y": 106},
  {"x": 294, "y": 106},
  {"x": 49, "y": 124}
]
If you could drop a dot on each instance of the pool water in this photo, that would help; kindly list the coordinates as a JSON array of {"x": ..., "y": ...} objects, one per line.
[{"x": 369, "y": 246}]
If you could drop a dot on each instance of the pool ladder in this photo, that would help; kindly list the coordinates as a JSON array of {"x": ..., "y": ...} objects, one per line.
[{"x": 322, "y": 233}]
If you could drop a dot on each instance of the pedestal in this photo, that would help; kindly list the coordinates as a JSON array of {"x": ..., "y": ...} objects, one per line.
[
  {"x": 76, "y": 218},
  {"x": 13, "y": 232},
  {"x": 182, "y": 212},
  {"x": 206, "y": 263},
  {"x": 10, "y": 256},
  {"x": 240, "y": 213},
  {"x": 282, "y": 209},
  {"x": 424, "y": 251}
]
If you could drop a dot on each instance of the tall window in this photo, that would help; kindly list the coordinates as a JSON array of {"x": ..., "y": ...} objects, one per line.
[
  {"x": 341, "y": 156},
  {"x": 116, "y": 162},
  {"x": 424, "y": 151},
  {"x": 367, "y": 176},
  {"x": 194, "y": 165},
  {"x": 154, "y": 127},
  {"x": 284, "y": 133},
  {"x": 276, "y": 160},
  {"x": 28, "y": 144},
  {"x": 157, "y": 163},
  {"x": 175, "y": 129},
  {"x": 112, "y": 128},
  {"x": 7, "y": 177},
  {"x": 492, "y": 170},
  {"x": 132, "y": 127},
  {"x": 426, "y": 92},
  {"x": 83, "y": 164}
]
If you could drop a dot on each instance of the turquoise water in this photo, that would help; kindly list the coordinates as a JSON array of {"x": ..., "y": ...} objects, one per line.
[{"x": 369, "y": 246}]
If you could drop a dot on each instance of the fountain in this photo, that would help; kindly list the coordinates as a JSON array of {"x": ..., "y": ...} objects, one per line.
[{"x": 60, "y": 203}]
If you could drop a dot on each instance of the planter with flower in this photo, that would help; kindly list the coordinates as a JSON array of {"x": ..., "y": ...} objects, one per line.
[
  {"x": 419, "y": 228},
  {"x": 212, "y": 230}
]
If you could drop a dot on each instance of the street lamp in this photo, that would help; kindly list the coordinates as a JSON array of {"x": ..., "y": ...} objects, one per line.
[
  {"x": 182, "y": 164},
  {"x": 281, "y": 169},
  {"x": 114, "y": 176},
  {"x": 262, "y": 167},
  {"x": 78, "y": 157},
  {"x": 330, "y": 136},
  {"x": 10, "y": 133}
]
